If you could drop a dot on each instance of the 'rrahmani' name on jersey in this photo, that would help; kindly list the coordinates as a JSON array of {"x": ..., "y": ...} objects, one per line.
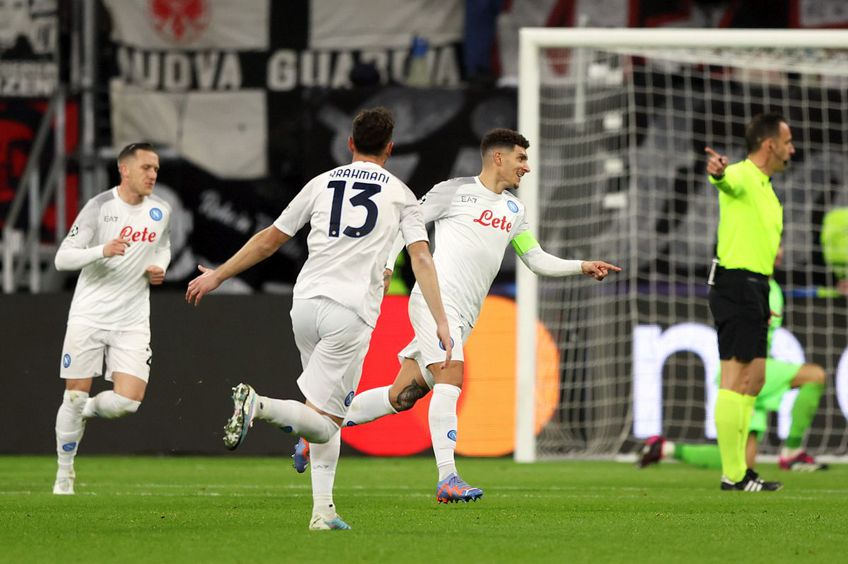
[
  {"x": 354, "y": 212},
  {"x": 473, "y": 227},
  {"x": 113, "y": 293}
]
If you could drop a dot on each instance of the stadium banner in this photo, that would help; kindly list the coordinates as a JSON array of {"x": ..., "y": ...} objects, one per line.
[
  {"x": 221, "y": 82},
  {"x": 29, "y": 61},
  {"x": 199, "y": 354},
  {"x": 194, "y": 369},
  {"x": 182, "y": 80},
  {"x": 671, "y": 400}
]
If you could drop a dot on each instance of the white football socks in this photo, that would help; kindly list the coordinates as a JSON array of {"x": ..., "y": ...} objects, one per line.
[
  {"x": 442, "y": 418},
  {"x": 295, "y": 417},
  {"x": 368, "y": 406},
  {"x": 323, "y": 459},
  {"x": 109, "y": 405},
  {"x": 70, "y": 427}
]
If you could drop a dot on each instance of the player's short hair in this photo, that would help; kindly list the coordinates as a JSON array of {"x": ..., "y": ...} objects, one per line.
[
  {"x": 504, "y": 138},
  {"x": 372, "y": 130},
  {"x": 762, "y": 127},
  {"x": 131, "y": 149}
]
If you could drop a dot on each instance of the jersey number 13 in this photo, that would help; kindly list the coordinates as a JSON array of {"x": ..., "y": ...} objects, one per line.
[{"x": 362, "y": 198}]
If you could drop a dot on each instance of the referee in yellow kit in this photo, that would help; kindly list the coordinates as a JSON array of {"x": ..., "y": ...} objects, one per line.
[{"x": 749, "y": 231}]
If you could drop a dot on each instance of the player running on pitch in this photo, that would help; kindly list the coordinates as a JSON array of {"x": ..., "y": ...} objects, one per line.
[
  {"x": 120, "y": 242},
  {"x": 354, "y": 211},
  {"x": 475, "y": 219}
]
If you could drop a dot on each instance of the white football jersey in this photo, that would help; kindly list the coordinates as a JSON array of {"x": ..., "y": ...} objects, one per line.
[
  {"x": 473, "y": 227},
  {"x": 113, "y": 293},
  {"x": 355, "y": 212}
]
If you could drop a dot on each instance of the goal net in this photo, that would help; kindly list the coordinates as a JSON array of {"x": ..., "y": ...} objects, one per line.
[{"x": 618, "y": 121}]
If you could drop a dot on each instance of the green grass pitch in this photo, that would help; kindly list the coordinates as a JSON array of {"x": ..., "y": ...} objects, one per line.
[{"x": 234, "y": 509}]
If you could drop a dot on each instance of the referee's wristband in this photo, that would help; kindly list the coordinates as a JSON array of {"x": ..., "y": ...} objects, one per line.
[{"x": 719, "y": 177}]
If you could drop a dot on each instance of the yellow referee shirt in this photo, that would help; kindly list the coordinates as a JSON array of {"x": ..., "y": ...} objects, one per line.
[{"x": 751, "y": 221}]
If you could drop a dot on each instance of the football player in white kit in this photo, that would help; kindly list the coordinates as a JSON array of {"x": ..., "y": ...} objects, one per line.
[
  {"x": 120, "y": 241},
  {"x": 355, "y": 213},
  {"x": 475, "y": 219}
]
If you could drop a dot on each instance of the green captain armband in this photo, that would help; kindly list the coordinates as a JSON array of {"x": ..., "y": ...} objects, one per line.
[{"x": 524, "y": 242}]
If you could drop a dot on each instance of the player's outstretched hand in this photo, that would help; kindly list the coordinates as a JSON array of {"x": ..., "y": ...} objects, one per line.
[
  {"x": 443, "y": 332},
  {"x": 117, "y": 246},
  {"x": 598, "y": 269},
  {"x": 155, "y": 274},
  {"x": 715, "y": 163},
  {"x": 202, "y": 285}
]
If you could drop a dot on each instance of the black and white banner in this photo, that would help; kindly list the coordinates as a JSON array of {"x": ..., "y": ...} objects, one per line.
[
  {"x": 29, "y": 65},
  {"x": 221, "y": 82},
  {"x": 181, "y": 80}
]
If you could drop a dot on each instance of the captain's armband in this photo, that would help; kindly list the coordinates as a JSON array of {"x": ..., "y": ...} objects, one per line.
[{"x": 524, "y": 242}]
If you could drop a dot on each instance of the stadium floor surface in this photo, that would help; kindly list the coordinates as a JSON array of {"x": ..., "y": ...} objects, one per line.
[{"x": 237, "y": 509}]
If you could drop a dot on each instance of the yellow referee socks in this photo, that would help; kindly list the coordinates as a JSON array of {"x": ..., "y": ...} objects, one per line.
[{"x": 730, "y": 409}]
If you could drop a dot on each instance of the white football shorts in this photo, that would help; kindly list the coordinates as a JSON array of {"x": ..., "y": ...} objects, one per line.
[
  {"x": 85, "y": 348},
  {"x": 332, "y": 341},
  {"x": 425, "y": 348}
]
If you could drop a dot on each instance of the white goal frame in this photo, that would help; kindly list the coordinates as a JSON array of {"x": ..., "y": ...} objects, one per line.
[{"x": 531, "y": 43}]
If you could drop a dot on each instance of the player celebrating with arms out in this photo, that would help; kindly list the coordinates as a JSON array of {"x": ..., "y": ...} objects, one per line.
[
  {"x": 355, "y": 212},
  {"x": 120, "y": 242},
  {"x": 475, "y": 219}
]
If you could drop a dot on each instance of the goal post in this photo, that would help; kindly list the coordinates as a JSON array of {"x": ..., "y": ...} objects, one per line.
[{"x": 616, "y": 118}]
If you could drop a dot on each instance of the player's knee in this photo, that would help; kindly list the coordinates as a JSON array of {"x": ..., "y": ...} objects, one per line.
[
  {"x": 120, "y": 407},
  {"x": 810, "y": 374},
  {"x": 131, "y": 406},
  {"x": 325, "y": 432},
  {"x": 408, "y": 397},
  {"x": 403, "y": 405}
]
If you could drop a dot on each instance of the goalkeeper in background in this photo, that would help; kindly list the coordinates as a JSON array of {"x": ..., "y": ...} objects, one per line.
[
  {"x": 749, "y": 232},
  {"x": 781, "y": 376}
]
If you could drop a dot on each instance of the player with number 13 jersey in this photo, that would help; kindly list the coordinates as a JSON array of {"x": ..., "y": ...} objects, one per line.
[
  {"x": 354, "y": 212},
  {"x": 348, "y": 233}
]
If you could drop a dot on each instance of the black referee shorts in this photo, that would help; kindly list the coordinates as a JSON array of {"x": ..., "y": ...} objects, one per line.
[{"x": 739, "y": 302}]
